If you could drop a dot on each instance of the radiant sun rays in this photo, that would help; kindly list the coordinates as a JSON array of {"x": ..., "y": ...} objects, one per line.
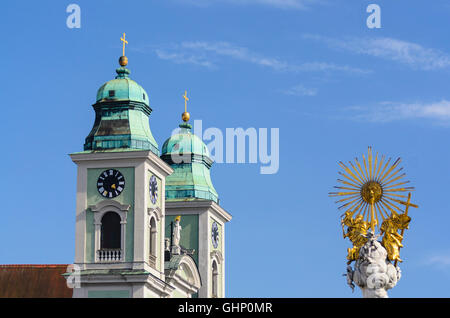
[{"x": 374, "y": 188}]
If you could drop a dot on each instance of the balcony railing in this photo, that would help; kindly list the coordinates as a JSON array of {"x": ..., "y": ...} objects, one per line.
[{"x": 106, "y": 255}]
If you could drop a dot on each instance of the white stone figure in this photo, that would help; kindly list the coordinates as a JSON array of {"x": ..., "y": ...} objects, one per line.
[
  {"x": 167, "y": 244},
  {"x": 176, "y": 236},
  {"x": 373, "y": 272}
]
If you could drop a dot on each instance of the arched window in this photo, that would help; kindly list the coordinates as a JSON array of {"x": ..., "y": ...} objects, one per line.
[
  {"x": 153, "y": 232},
  {"x": 110, "y": 220},
  {"x": 110, "y": 231},
  {"x": 215, "y": 280}
]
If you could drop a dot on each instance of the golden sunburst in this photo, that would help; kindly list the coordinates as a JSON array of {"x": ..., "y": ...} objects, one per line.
[{"x": 374, "y": 189}]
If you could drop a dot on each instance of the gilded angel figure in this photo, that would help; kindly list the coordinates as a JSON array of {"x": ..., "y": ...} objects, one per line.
[
  {"x": 356, "y": 231},
  {"x": 392, "y": 240}
]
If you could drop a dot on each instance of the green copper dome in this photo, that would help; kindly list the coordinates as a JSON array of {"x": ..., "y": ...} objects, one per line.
[
  {"x": 121, "y": 117},
  {"x": 189, "y": 158},
  {"x": 122, "y": 88},
  {"x": 185, "y": 142}
]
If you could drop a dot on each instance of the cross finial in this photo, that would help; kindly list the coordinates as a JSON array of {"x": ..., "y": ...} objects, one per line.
[
  {"x": 407, "y": 205},
  {"x": 124, "y": 42},
  {"x": 185, "y": 100},
  {"x": 185, "y": 116}
]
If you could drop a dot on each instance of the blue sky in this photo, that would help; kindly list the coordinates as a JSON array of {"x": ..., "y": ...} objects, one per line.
[{"x": 310, "y": 68}]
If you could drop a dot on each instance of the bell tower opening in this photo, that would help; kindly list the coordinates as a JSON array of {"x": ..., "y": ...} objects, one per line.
[
  {"x": 110, "y": 237},
  {"x": 153, "y": 233},
  {"x": 215, "y": 280}
]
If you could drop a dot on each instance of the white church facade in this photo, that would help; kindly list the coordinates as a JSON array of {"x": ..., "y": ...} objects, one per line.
[{"x": 147, "y": 223}]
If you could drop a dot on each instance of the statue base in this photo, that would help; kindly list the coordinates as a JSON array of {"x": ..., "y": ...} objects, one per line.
[
  {"x": 373, "y": 272},
  {"x": 176, "y": 250}
]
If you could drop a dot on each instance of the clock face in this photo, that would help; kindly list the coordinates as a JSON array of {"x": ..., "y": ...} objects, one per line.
[
  {"x": 153, "y": 188},
  {"x": 110, "y": 183},
  {"x": 215, "y": 234}
]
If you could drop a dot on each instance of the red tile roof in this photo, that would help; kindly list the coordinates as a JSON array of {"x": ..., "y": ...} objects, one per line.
[{"x": 33, "y": 281}]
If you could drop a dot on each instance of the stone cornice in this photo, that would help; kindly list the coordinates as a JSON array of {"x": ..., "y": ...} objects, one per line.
[
  {"x": 86, "y": 157},
  {"x": 196, "y": 204},
  {"x": 153, "y": 282}
]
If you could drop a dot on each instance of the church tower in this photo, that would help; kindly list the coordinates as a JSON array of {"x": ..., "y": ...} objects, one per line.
[
  {"x": 120, "y": 202},
  {"x": 191, "y": 194}
]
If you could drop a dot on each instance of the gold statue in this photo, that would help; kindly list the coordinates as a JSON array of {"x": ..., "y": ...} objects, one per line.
[
  {"x": 357, "y": 233},
  {"x": 392, "y": 240},
  {"x": 372, "y": 191}
]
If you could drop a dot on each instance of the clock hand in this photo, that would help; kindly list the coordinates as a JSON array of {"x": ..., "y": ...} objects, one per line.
[{"x": 113, "y": 186}]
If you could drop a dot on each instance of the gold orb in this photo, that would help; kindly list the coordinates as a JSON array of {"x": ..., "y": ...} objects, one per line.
[
  {"x": 123, "y": 61},
  {"x": 185, "y": 116},
  {"x": 371, "y": 192}
]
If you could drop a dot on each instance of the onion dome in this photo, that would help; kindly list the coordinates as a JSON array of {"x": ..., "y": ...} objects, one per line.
[
  {"x": 190, "y": 159},
  {"x": 122, "y": 113},
  {"x": 122, "y": 88}
]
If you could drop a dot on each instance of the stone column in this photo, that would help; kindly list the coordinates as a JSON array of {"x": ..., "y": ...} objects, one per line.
[{"x": 373, "y": 272}]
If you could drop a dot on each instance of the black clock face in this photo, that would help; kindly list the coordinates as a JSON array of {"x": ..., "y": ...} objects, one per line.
[
  {"x": 215, "y": 234},
  {"x": 153, "y": 186},
  {"x": 110, "y": 183}
]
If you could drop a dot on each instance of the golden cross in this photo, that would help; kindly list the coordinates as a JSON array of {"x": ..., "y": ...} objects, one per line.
[
  {"x": 185, "y": 100},
  {"x": 408, "y": 204},
  {"x": 124, "y": 42}
]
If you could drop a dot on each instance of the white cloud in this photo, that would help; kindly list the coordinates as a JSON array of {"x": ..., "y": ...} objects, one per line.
[
  {"x": 181, "y": 58},
  {"x": 323, "y": 66},
  {"x": 300, "y": 90},
  {"x": 440, "y": 260},
  {"x": 281, "y": 4},
  {"x": 391, "y": 111},
  {"x": 412, "y": 54},
  {"x": 240, "y": 53},
  {"x": 205, "y": 53}
]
